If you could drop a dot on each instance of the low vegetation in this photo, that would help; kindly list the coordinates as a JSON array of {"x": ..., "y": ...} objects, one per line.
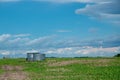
[{"x": 61, "y": 69}]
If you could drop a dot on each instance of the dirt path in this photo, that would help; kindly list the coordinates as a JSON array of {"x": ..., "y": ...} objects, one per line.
[
  {"x": 99, "y": 62},
  {"x": 13, "y": 73}
]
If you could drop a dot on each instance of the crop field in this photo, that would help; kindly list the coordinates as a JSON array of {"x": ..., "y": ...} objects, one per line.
[{"x": 61, "y": 69}]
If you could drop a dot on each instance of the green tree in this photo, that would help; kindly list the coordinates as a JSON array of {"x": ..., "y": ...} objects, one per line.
[{"x": 117, "y": 55}]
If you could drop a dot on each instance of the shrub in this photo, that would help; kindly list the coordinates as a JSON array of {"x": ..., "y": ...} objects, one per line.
[{"x": 117, "y": 55}]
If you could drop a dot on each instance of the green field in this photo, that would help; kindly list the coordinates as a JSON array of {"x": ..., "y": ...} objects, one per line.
[{"x": 61, "y": 69}]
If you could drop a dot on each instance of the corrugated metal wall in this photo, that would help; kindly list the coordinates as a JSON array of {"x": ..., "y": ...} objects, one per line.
[
  {"x": 35, "y": 56},
  {"x": 42, "y": 56},
  {"x": 29, "y": 56}
]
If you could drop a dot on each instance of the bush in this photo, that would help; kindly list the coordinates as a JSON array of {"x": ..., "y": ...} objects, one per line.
[{"x": 117, "y": 55}]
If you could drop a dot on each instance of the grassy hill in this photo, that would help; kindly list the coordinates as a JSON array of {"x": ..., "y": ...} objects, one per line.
[{"x": 61, "y": 69}]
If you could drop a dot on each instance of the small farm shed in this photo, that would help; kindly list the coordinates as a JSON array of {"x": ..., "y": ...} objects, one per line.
[{"x": 35, "y": 56}]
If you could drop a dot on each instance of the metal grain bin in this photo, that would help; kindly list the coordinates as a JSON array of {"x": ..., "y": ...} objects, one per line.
[
  {"x": 35, "y": 56},
  {"x": 42, "y": 56},
  {"x": 38, "y": 57},
  {"x": 29, "y": 56}
]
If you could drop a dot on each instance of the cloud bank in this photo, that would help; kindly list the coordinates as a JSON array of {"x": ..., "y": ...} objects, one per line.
[
  {"x": 80, "y": 1},
  {"x": 105, "y": 10},
  {"x": 108, "y": 10},
  {"x": 17, "y": 45}
]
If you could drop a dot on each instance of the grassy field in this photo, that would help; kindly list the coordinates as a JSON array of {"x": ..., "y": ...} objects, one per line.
[{"x": 61, "y": 69}]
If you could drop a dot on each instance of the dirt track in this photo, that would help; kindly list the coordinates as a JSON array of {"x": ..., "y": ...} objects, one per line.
[
  {"x": 99, "y": 62},
  {"x": 13, "y": 73}
]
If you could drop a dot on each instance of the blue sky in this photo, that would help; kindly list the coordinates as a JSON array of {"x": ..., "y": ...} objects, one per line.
[{"x": 63, "y": 28}]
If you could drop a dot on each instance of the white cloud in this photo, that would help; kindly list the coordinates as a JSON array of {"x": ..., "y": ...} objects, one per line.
[
  {"x": 4, "y": 37},
  {"x": 40, "y": 40},
  {"x": 66, "y": 52},
  {"x": 61, "y": 1},
  {"x": 113, "y": 18},
  {"x": 79, "y": 1},
  {"x": 98, "y": 50},
  {"x": 84, "y": 51},
  {"x": 4, "y": 52},
  {"x": 18, "y": 41},
  {"x": 22, "y": 35},
  {"x": 60, "y": 51},
  {"x": 34, "y": 51},
  {"x": 108, "y": 11},
  {"x": 13, "y": 53},
  {"x": 9, "y": 44},
  {"x": 24, "y": 41}
]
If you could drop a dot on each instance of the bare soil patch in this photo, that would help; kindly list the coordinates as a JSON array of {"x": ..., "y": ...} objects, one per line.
[
  {"x": 101, "y": 62},
  {"x": 13, "y": 73},
  {"x": 12, "y": 68},
  {"x": 13, "y": 76}
]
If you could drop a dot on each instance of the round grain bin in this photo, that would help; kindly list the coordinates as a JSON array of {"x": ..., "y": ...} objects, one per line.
[
  {"x": 35, "y": 56},
  {"x": 29, "y": 57},
  {"x": 42, "y": 56},
  {"x": 38, "y": 57}
]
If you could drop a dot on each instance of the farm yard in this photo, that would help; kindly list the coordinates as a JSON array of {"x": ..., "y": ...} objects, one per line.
[{"x": 61, "y": 69}]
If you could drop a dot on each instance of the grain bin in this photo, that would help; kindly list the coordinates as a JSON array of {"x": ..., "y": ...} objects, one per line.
[
  {"x": 42, "y": 56},
  {"x": 35, "y": 56},
  {"x": 29, "y": 56}
]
